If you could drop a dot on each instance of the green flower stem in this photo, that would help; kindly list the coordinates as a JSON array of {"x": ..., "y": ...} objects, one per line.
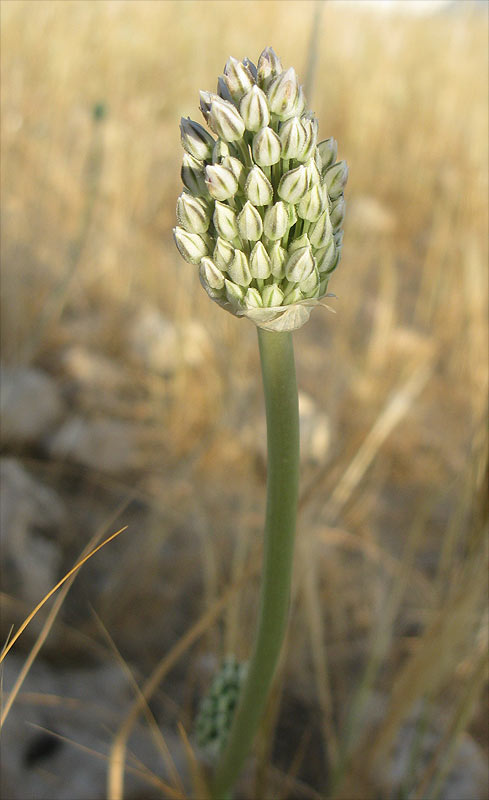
[{"x": 280, "y": 388}]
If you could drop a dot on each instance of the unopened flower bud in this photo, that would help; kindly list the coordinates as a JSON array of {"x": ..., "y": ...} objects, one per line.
[
  {"x": 223, "y": 253},
  {"x": 221, "y": 183},
  {"x": 321, "y": 231},
  {"x": 310, "y": 285},
  {"x": 193, "y": 213},
  {"x": 195, "y": 139},
  {"x": 205, "y": 103},
  {"x": 238, "y": 78},
  {"x": 220, "y": 151},
  {"x": 258, "y": 188},
  {"x": 237, "y": 168},
  {"x": 223, "y": 90},
  {"x": 254, "y": 109},
  {"x": 313, "y": 174},
  {"x": 253, "y": 299},
  {"x": 337, "y": 213},
  {"x": 312, "y": 204},
  {"x": 336, "y": 178},
  {"x": 328, "y": 150},
  {"x": 292, "y": 295},
  {"x": 225, "y": 120},
  {"x": 338, "y": 238},
  {"x": 225, "y": 221},
  {"x": 276, "y": 221},
  {"x": 325, "y": 256},
  {"x": 191, "y": 245},
  {"x": 272, "y": 295},
  {"x": 234, "y": 293},
  {"x": 283, "y": 94},
  {"x": 311, "y": 134},
  {"x": 293, "y": 138},
  {"x": 239, "y": 270},
  {"x": 249, "y": 222},
  {"x": 294, "y": 185},
  {"x": 269, "y": 65},
  {"x": 278, "y": 258},
  {"x": 193, "y": 176},
  {"x": 211, "y": 274},
  {"x": 299, "y": 265},
  {"x": 266, "y": 147},
  {"x": 297, "y": 244},
  {"x": 260, "y": 264}
]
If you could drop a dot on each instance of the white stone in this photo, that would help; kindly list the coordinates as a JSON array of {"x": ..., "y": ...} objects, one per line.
[
  {"x": 30, "y": 405},
  {"x": 104, "y": 445},
  {"x": 161, "y": 346}
]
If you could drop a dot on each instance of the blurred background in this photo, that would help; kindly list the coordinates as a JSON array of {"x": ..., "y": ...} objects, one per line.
[{"x": 128, "y": 399}]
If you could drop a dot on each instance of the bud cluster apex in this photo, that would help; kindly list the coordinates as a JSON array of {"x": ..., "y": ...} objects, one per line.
[{"x": 263, "y": 205}]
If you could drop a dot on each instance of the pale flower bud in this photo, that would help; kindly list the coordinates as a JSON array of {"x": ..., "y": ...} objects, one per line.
[
  {"x": 293, "y": 138},
  {"x": 193, "y": 176},
  {"x": 313, "y": 174},
  {"x": 294, "y": 185},
  {"x": 221, "y": 183},
  {"x": 193, "y": 213},
  {"x": 211, "y": 274},
  {"x": 298, "y": 244},
  {"x": 266, "y": 147},
  {"x": 336, "y": 178},
  {"x": 310, "y": 285},
  {"x": 276, "y": 221},
  {"x": 278, "y": 258},
  {"x": 223, "y": 253},
  {"x": 299, "y": 265},
  {"x": 272, "y": 295},
  {"x": 234, "y": 293},
  {"x": 249, "y": 222},
  {"x": 238, "y": 78},
  {"x": 225, "y": 221},
  {"x": 325, "y": 256},
  {"x": 337, "y": 213},
  {"x": 253, "y": 299},
  {"x": 205, "y": 103},
  {"x": 237, "y": 168},
  {"x": 223, "y": 90},
  {"x": 258, "y": 188},
  {"x": 328, "y": 150},
  {"x": 195, "y": 139},
  {"x": 220, "y": 151},
  {"x": 225, "y": 120},
  {"x": 260, "y": 265},
  {"x": 254, "y": 109},
  {"x": 269, "y": 65},
  {"x": 293, "y": 295},
  {"x": 283, "y": 94},
  {"x": 321, "y": 231},
  {"x": 312, "y": 204},
  {"x": 191, "y": 245},
  {"x": 239, "y": 270}
]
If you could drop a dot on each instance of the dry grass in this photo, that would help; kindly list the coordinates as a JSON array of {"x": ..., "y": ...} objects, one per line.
[{"x": 391, "y": 568}]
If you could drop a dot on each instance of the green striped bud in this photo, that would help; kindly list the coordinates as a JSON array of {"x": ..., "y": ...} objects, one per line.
[
  {"x": 223, "y": 90},
  {"x": 313, "y": 174},
  {"x": 294, "y": 185},
  {"x": 310, "y": 285},
  {"x": 254, "y": 109},
  {"x": 292, "y": 295},
  {"x": 312, "y": 204},
  {"x": 326, "y": 256},
  {"x": 328, "y": 150},
  {"x": 195, "y": 139},
  {"x": 297, "y": 244},
  {"x": 223, "y": 253},
  {"x": 253, "y": 299},
  {"x": 266, "y": 147},
  {"x": 337, "y": 213},
  {"x": 269, "y": 66},
  {"x": 193, "y": 175},
  {"x": 249, "y": 223},
  {"x": 225, "y": 221},
  {"x": 220, "y": 151},
  {"x": 260, "y": 264},
  {"x": 211, "y": 274},
  {"x": 191, "y": 245},
  {"x": 310, "y": 127},
  {"x": 258, "y": 188},
  {"x": 338, "y": 238},
  {"x": 321, "y": 231},
  {"x": 278, "y": 258},
  {"x": 299, "y": 265},
  {"x": 234, "y": 293},
  {"x": 284, "y": 96},
  {"x": 336, "y": 178},
  {"x": 205, "y": 104},
  {"x": 272, "y": 295},
  {"x": 193, "y": 213},
  {"x": 237, "y": 168},
  {"x": 293, "y": 138},
  {"x": 276, "y": 221},
  {"x": 225, "y": 120},
  {"x": 221, "y": 183},
  {"x": 238, "y": 78},
  {"x": 238, "y": 270}
]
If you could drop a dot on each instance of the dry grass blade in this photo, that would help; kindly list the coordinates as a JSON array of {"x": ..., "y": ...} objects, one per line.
[
  {"x": 198, "y": 779},
  {"x": 68, "y": 575},
  {"x": 115, "y": 778}
]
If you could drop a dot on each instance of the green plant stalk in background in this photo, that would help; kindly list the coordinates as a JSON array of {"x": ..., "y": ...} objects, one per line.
[{"x": 282, "y": 413}]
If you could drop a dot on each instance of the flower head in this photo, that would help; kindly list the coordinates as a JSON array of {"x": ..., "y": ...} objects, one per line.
[{"x": 263, "y": 204}]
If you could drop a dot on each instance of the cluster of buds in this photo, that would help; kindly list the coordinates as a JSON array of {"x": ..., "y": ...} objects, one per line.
[
  {"x": 263, "y": 205},
  {"x": 217, "y": 708}
]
